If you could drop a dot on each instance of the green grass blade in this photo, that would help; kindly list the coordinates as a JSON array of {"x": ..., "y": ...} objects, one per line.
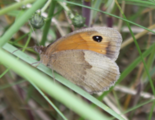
[
  {"x": 20, "y": 21},
  {"x": 49, "y": 101},
  {"x": 129, "y": 69},
  {"x": 151, "y": 111},
  {"x": 107, "y": 14},
  {"x": 62, "y": 80},
  {"x": 4, "y": 72},
  {"x": 149, "y": 62},
  {"x": 11, "y": 84},
  {"x": 52, "y": 88},
  {"x": 14, "y": 6},
  {"x": 48, "y": 22},
  {"x": 138, "y": 48},
  {"x": 137, "y": 106}
]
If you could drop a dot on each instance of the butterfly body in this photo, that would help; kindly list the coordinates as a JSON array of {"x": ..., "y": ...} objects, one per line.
[{"x": 85, "y": 57}]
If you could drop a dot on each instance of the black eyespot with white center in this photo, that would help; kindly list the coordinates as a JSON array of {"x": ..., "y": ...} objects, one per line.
[{"x": 97, "y": 38}]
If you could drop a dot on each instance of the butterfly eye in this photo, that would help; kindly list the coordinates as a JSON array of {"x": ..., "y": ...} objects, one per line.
[{"x": 97, "y": 38}]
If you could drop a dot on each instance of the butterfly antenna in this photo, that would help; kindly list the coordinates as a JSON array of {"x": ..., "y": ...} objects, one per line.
[{"x": 15, "y": 51}]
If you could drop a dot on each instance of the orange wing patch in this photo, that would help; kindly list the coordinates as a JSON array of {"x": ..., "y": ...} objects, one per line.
[{"x": 80, "y": 41}]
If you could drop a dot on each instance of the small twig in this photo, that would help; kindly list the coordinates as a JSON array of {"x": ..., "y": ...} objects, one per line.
[
  {"x": 120, "y": 20},
  {"x": 111, "y": 105},
  {"x": 69, "y": 21},
  {"x": 87, "y": 12},
  {"x": 150, "y": 35},
  {"x": 130, "y": 40},
  {"x": 147, "y": 10},
  {"x": 32, "y": 109},
  {"x": 133, "y": 92},
  {"x": 39, "y": 112}
]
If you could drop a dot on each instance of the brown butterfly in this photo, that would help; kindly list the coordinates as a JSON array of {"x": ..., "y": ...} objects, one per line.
[{"x": 86, "y": 57}]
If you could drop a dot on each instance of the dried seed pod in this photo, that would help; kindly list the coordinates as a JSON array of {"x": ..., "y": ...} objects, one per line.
[
  {"x": 37, "y": 21},
  {"x": 78, "y": 21}
]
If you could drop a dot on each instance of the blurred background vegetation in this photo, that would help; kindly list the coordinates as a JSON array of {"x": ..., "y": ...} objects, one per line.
[{"x": 26, "y": 23}]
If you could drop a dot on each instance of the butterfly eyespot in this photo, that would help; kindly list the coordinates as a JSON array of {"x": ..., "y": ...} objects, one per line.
[{"x": 97, "y": 38}]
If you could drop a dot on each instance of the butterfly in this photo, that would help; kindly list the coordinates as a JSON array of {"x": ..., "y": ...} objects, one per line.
[{"x": 85, "y": 57}]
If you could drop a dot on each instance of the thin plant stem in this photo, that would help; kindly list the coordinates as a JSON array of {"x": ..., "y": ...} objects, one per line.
[
  {"x": 4, "y": 72},
  {"x": 47, "y": 85},
  {"x": 45, "y": 6},
  {"x": 49, "y": 101},
  {"x": 141, "y": 55},
  {"x": 151, "y": 111},
  {"x": 20, "y": 21},
  {"x": 87, "y": 12},
  {"x": 107, "y": 14},
  {"x": 48, "y": 23},
  {"x": 14, "y": 6}
]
